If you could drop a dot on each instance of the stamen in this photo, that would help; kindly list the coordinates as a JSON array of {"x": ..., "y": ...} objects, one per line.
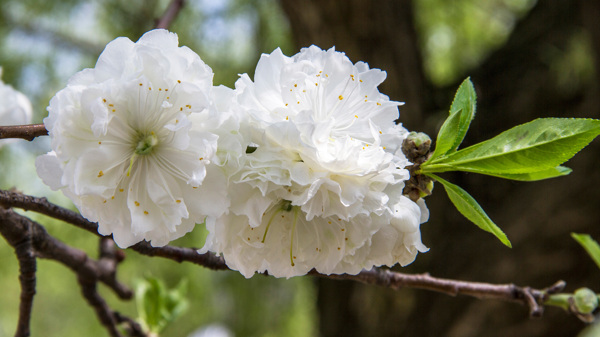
[
  {"x": 269, "y": 224},
  {"x": 292, "y": 236}
]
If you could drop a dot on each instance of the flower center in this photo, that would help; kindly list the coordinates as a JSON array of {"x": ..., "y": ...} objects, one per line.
[{"x": 146, "y": 144}]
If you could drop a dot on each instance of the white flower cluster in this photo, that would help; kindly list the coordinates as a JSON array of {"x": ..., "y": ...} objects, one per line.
[
  {"x": 299, "y": 169},
  {"x": 15, "y": 108}
]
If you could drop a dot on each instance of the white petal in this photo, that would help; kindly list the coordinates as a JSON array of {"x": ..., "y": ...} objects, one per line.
[{"x": 48, "y": 168}]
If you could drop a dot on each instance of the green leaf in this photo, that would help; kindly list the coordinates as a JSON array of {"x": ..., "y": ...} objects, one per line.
[
  {"x": 554, "y": 172},
  {"x": 447, "y": 136},
  {"x": 158, "y": 306},
  {"x": 590, "y": 245},
  {"x": 468, "y": 207},
  {"x": 536, "y": 146},
  {"x": 457, "y": 124},
  {"x": 463, "y": 104}
]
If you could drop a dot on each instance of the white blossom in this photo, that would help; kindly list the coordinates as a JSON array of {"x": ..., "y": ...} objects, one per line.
[
  {"x": 316, "y": 190},
  {"x": 133, "y": 140},
  {"x": 15, "y": 108}
]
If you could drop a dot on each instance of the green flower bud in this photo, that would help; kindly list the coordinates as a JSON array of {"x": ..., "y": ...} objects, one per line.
[
  {"x": 586, "y": 301},
  {"x": 419, "y": 138}
]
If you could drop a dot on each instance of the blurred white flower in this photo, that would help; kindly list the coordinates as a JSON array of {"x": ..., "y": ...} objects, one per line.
[
  {"x": 212, "y": 330},
  {"x": 132, "y": 141},
  {"x": 15, "y": 108},
  {"x": 315, "y": 190}
]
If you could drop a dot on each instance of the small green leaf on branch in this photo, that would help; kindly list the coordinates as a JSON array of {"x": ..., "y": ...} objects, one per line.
[
  {"x": 469, "y": 207},
  {"x": 590, "y": 245},
  {"x": 158, "y": 306},
  {"x": 457, "y": 124}
]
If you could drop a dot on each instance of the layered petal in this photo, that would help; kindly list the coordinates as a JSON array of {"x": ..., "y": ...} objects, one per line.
[{"x": 134, "y": 141}]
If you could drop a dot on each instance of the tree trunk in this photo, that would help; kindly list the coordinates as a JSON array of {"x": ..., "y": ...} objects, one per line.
[{"x": 515, "y": 84}]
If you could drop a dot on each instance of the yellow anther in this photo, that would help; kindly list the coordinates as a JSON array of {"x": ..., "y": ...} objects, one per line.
[
  {"x": 136, "y": 203},
  {"x": 100, "y": 174},
  {"x": 341, "y": 97}
]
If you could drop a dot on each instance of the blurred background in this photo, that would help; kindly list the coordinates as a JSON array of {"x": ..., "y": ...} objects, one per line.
[{"x": 527, "y": 59}]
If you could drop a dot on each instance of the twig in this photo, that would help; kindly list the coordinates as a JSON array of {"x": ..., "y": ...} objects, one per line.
[
  {"x": 16, "y": 229},
  {"x": 170, "y": 14},
  {"x": 41, "y": 205},
  {"x": 533, "y": 298},
  {"x": 105, "y": 315},
  {"x": 27, "y": 270},
  {"x": 134, "y": 329},
  {"x": 28, "y": 132},
  {"x": 181, "y": 254}
]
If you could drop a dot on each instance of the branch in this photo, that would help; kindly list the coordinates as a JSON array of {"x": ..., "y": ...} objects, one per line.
[
  {"x": 41, "y": 205},
  {"x": 533, "y": 298},
  {"x": 17, "y": 229},
  {"x": 170, "y": 14},
  {"x": 133, "y": 327},
  {"x": 181, "y": 254},
  {"x": 105, "y": 315},
  {"x": 28, "y": 132},
  {"x": 27, "y": 270}
]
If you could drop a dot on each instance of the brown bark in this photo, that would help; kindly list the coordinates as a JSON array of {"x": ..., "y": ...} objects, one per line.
[{"x": 515, "y": 84}]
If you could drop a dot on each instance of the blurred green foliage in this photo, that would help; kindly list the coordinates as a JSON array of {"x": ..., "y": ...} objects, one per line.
[{"x": 43, "y": 43}]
